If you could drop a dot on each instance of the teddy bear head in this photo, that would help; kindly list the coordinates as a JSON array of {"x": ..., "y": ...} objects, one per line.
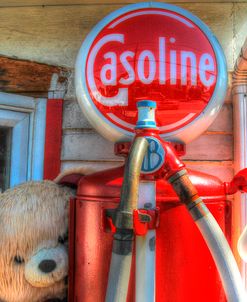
[{"x": 33, "y": 242}]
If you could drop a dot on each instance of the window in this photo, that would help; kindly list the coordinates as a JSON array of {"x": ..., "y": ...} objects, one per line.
[
  {"x": 5, "y": 146},
  {"x": 22, "y": 139}
]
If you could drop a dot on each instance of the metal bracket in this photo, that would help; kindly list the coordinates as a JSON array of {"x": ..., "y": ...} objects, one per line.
[{"x": 143, "y": 220}]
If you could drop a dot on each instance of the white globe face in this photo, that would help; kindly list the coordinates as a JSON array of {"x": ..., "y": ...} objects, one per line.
[{"x": 160, "y": 53}]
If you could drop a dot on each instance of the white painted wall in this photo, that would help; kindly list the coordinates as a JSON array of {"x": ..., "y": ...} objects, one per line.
[{"x": 53, "y": 34}]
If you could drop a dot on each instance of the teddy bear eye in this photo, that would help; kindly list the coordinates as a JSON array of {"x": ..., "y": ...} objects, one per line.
[
  {"x": 63, "y": 239},
  {"x": 18, "y": 260}
]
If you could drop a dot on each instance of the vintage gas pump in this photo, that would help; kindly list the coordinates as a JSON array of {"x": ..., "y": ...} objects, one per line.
[
  {"x": 148, "y": 207},
  {"x": 159, "y": 228}
]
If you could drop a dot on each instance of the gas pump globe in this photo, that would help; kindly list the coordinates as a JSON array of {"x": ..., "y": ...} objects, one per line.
[{"x": 151, "y": 77}]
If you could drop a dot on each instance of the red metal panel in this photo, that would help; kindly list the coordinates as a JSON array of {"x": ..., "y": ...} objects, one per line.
[
  {"x": 185, "y": 270},
  {"x": 93, "y": 252},
  {"x": 72, "y": 224},
  {"x": 53, "y": 138}
]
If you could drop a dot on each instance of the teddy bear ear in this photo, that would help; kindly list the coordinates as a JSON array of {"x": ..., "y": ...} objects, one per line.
[
  {"x": 70, "y": 177},
  {"x": 75, "y": 173},
  {"x": 70, "y": 180}
]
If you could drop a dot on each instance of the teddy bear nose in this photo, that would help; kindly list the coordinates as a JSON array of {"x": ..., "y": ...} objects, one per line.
[{"x": 47, "y": 265}]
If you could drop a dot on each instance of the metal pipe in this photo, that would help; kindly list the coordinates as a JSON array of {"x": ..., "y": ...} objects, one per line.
[
  {"x": 129, "y": 193},
  {"x": 145, "y": 274},
  {"x": 213, "y": 235},
  {"x": 239, "y": 93},
  {"x": 119, "y": 275}
]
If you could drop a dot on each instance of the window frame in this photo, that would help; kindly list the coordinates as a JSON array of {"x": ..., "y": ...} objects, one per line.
[{"x": 27, "y": 117}]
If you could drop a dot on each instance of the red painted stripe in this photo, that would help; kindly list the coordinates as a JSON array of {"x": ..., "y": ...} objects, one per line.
[{"x": 53, "y": 138}]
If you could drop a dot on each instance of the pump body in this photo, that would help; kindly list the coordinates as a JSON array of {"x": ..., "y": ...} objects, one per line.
[{"x": 184, "y": 268}]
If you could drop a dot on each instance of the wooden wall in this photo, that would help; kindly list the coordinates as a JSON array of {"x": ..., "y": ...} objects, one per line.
[{"x": 52, "y": 34}]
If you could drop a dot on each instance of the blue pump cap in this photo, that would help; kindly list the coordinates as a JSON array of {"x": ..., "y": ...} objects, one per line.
[
  {"x": 146, "y": 114},
  {"x": 145, "y": 124},
  {"x": 146, "y": 103}
]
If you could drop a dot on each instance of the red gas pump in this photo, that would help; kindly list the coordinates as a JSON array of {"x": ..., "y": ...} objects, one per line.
[
  {"x": 183, "y": 267},
  {"x": 159, "y": 52}
]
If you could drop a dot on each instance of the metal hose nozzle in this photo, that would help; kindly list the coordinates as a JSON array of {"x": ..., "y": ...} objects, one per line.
[{"x": 119, "y": 275}]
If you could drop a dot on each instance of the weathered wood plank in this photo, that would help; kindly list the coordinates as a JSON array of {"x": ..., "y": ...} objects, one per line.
[
  {"x": 211, "y": 147},
  {"x": 88, "y": 145},
  {"x": 53, "y": 34},
  {"x": 223, "y": 170},
  {"x": 74, "y": 118},
  {"x": 94, "y": 165},
  {"x": 79, "y": 145},
  {"x": 223, "y": 122},
  {"x": 19, "y": 76}
]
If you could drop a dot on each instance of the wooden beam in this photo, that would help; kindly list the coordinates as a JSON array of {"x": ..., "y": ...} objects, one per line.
[
  {"x": 29, "y": 78},
  {"x": 54, "y": 34},
  {"x": 18, "y": 3},
  {"x": 80, "y": 144}
]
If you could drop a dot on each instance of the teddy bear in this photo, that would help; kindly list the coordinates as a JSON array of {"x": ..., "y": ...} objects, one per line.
[
  {"x": 34, "y": 238},
  {"x": 33, "y": 242}
]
